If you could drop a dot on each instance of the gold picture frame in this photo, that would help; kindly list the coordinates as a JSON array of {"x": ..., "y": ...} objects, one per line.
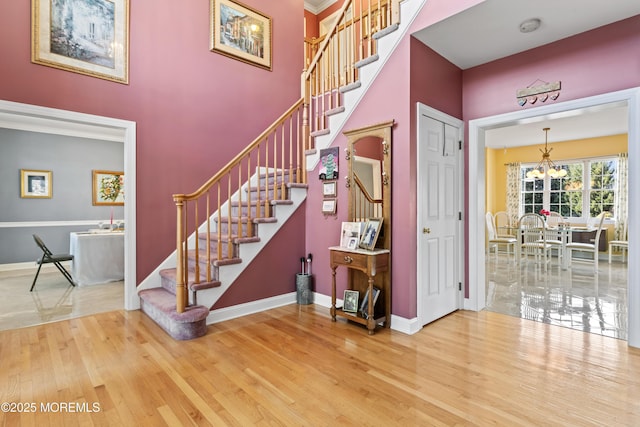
[
  {"x": 36, "y": 184},
  {"x": 240, "y": 32},
  {"x": 108, "y": 188},
  {"x": 94, "y": 43},
  {"x": 370, "y": 234}
]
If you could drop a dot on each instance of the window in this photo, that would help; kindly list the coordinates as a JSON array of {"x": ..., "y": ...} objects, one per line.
[{"x": 587, "y": 189}]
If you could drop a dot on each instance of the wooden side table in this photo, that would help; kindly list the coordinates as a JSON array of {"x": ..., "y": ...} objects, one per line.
[{"x": 370, "y": 263}]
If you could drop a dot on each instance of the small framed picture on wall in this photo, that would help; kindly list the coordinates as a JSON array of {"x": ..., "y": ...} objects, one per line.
[{"x": 35, "y": 184}]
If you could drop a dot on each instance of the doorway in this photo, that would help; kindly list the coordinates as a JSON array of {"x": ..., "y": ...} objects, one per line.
[
  {"x": 477, "y": 177},
  {"x": 51, "y": 120}
]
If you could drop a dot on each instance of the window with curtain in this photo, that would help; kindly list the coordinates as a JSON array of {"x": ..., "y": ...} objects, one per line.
[{"x": 588, "y": 189}]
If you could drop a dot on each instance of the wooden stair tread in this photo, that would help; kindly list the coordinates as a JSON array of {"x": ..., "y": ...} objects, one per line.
[
  {"x": 171, "y": 274},
  {"x": 225, "y": 238},
  {"x": 245, "y": 220}
]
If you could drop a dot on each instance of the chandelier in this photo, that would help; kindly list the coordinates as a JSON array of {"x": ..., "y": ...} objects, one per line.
[{"x": 546, "y": 163}]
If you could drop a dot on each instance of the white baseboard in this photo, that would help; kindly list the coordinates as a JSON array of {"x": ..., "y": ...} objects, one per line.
[
  {"x": 228, "y": 313},
  {"x": 400, "y": 324},
  {"x": 31, "y": 266}
]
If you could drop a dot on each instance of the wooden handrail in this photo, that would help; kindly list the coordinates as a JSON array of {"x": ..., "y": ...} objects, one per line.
[
  {"x": 247, "y": 150},
  {"x": 335, "y": 65},
  {"x": 278, "y": 155},
  {"x": 315, "y": 41},
  {"x": 364, "y": 206},
  {"x": 249, "y": 183},
  {"x": 364, "y": 190},
  {"x": 323, "y": 47}
]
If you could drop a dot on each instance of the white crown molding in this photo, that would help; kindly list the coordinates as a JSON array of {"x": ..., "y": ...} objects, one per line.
[
  {"x": 60, "y": 127},
  {"x": 317, "y": 6}
]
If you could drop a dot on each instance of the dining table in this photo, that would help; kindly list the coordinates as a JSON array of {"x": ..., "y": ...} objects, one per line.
[
  {"x": 98, "y": 257},
  {"x": 563, "y": 233}
]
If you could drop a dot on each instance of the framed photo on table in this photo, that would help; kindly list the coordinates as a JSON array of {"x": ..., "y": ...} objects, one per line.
[
  {"x": 364, "y": 305},
  {"x": 350, "y": 234},
  {"x": 350, "y": 301},
  {"x": 35, "y": 184},
  {"x": 241, "y": 33},
  {"x": 88, "y": 37},
  {"x": 370, "y": 234}
]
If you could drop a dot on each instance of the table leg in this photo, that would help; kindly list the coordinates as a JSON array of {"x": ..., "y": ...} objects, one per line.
[
  {"x": 565, "y": 239},
  {"x": 333, "y": 294}
]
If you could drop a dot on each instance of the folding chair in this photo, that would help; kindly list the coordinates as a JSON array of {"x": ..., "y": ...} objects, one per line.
[{"x": 49, "y": 258}]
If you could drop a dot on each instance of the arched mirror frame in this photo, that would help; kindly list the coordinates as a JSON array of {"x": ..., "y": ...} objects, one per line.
[{"x": 383, "y": 132}]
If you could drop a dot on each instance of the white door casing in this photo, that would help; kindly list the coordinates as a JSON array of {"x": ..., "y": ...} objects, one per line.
[
  {"x": 14, "y": 115},
  {"x": 439, "y": 234},
  {"x": 476, "y": 299}
]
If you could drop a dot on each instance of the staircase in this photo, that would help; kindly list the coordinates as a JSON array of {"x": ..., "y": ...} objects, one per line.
[
  {"x": 240, "y": 233},
  {"x": 255, "y": 194}
]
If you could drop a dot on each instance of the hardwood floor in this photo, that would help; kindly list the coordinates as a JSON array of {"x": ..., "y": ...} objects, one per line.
[{"x": 293, "y": 366}]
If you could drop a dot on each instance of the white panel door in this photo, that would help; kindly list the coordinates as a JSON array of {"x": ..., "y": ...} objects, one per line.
[{"x": 438, "y": 218}]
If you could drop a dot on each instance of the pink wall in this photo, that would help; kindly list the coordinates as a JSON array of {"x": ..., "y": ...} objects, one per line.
[
  {"x": 599, "y": 61},
  {"x": 194, "y": 109}
]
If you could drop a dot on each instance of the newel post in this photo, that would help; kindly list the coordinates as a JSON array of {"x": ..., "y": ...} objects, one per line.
[
  {"x": 306, "y": 132},
  {"x": 181, "y": 291}
]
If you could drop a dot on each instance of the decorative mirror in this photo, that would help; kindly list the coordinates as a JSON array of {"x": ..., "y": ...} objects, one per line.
[{"x": 368, "y": 156}]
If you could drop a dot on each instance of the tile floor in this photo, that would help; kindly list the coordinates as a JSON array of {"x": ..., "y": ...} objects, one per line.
[
  {"x": 574, "y": 298},
  {"x": 52, "y": 299}
]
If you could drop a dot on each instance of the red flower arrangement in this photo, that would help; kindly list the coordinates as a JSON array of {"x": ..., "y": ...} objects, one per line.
[{"x": 544, "y": 212}]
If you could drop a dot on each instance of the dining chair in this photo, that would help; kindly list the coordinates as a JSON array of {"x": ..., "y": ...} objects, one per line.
[
  {"x": 50, "y": 258},
  {"x": 590, "y": 248},
  {"x": 554, "y": 220},
  {"x": 502, "y": 224},
  {"x": 623, "y": 245},
  {"x": 533, "y": 232},
  {"x": 494, "y": 241}
]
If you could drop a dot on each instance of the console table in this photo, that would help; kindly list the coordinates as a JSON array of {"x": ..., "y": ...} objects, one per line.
[{"x": 370, "y": 263}]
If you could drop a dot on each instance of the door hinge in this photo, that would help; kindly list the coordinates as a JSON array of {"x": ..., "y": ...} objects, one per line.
[
  {"x": 459, "y": 145},
  {"x": 459, "y": 286},
  {"x": 459, "y": 216}
]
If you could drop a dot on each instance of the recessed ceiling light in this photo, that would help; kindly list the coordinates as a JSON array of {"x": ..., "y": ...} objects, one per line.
[{"x": 530, "y": 25}]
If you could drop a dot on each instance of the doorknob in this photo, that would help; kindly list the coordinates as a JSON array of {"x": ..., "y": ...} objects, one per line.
[{"x": 426, "y": 230}]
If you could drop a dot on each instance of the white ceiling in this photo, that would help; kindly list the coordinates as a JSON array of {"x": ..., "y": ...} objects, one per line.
[
  {"x": 490, "y": 31},
  {"x": 317, "y": 6}
]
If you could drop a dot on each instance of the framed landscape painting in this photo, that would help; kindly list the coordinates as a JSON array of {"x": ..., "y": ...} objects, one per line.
[
  {"x": 83, "y": 36},
  {"x": 240, "y": 32}
]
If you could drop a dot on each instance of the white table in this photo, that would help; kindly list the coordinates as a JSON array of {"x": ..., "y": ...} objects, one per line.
[{"x": 97, "y": 257}]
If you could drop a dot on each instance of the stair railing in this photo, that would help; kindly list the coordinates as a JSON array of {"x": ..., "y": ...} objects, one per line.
[
  {"x": 364, "y": 205},
  {"x": 334, "y": 67},
  {"x": 255, "y": 178}
]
